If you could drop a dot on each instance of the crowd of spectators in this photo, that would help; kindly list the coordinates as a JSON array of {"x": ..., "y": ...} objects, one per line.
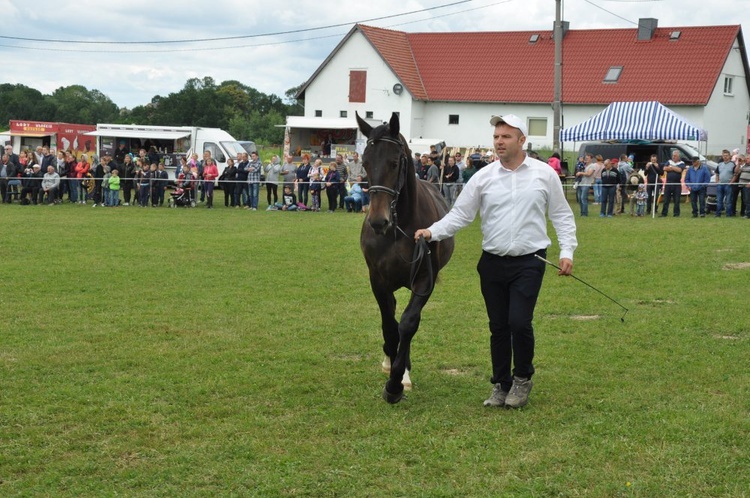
[
  {"x": 40, "y": 177},
  {"x": 618, "y": 181}
]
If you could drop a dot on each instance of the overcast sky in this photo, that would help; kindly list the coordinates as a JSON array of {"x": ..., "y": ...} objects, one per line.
[{"x": 131, "y": 74}]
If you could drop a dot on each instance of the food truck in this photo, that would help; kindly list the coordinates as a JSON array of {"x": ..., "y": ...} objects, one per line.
[
  {"x": 168, "y": 142},
  {"x": 57, "y": 136}
]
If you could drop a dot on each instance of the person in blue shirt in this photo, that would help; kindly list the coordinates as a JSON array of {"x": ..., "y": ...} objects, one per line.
[
  {"x": 696, "y": 179},
  {"x": 353, "y": 201}
]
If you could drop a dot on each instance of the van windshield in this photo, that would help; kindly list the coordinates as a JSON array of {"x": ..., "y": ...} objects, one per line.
[
  {"x": 692, "y": 151},
  {"x": 233, "y": 148}
]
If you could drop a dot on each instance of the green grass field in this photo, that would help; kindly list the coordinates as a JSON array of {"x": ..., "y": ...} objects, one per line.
[{"x": 188, "y": 352}]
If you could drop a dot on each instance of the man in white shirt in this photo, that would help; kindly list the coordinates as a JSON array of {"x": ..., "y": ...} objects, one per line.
[{"x": 513, "y": 196}]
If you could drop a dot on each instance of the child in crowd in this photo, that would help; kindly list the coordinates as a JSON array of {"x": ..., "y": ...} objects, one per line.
[
  {"x": 315, "y": 188},
  {"x": 114, "y": 188},
  {"x": 105, "y": 185},
  {"x": 288, "y": 200},
  {"x": 640, "y": 200},
  {"x": 193, "y": 162}
]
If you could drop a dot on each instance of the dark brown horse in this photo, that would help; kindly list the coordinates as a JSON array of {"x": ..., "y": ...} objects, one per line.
[{"x": 399, "y": 205}]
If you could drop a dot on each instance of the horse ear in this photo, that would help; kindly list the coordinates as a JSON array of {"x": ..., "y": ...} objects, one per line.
[
  {"x": 394, "y": 125},
  {"x": 364, "y": 126}
]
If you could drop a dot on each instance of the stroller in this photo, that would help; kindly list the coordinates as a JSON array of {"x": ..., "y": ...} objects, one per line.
[{"x": 182, "y": 197}]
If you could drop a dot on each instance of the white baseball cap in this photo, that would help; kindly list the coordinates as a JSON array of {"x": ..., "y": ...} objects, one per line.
[{"x": 510, "y": 120}]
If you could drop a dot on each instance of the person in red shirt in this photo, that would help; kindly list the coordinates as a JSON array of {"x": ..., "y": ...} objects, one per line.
[
  {"x": 82, "y": 169},
  {"x": 210, "y": 173}
]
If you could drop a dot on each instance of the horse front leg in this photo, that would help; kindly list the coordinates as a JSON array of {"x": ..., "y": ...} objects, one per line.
[
  {"x": 394, "y": 388},
  {"x": 387, "y": 304}
]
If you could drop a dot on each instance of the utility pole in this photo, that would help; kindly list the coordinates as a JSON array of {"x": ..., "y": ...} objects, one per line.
[{"x": 556, "y": 105}]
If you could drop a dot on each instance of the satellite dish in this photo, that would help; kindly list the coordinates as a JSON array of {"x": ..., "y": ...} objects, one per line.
[{"x": 398, "y": 88}]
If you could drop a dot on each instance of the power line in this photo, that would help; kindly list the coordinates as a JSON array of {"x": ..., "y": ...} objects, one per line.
[
  {"x": 239, "y": 37},
  {"x": 250, "y": 45},
  {"x": 610, "y": 12}
]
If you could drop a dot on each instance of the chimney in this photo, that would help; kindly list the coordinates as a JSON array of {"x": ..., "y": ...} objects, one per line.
[
  {"x": 646, "y": 28},
  {"x": 565, "y": 25}
]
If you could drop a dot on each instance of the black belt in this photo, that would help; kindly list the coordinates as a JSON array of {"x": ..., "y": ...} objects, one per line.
[{"x": 540, "y": 252}]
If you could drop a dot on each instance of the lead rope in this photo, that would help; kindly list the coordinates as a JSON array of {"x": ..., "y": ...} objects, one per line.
[{"x": 422, "y": 252}]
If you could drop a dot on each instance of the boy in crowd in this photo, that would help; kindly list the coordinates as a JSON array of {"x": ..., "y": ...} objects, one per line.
[
  {"x": 114, "y": 188},
  {"x": 288, "y": 200}
]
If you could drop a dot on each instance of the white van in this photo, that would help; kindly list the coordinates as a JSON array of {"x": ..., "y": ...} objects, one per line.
[{"x": 169, "y": 143}]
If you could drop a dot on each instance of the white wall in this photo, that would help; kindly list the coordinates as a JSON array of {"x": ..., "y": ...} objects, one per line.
[
  {"x": 329, "y": 92},
  {"x": 726, "y": 116},
  {"x": 473, "y": 128}
]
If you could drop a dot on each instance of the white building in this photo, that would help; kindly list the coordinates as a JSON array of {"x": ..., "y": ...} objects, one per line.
[{"x": 446, "y": 85}]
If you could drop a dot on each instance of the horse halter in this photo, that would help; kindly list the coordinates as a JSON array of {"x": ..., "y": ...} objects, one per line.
[{"x": 400, "y": 182}]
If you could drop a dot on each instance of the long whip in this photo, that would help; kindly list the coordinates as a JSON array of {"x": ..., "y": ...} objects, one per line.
[{"x": 622, "y": 318}]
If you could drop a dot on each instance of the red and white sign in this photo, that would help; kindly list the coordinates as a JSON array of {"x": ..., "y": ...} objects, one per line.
[{"x": 67, "y": 136}]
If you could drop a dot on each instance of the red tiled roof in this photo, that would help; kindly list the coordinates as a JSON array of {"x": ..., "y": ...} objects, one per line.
[
  {"x": 471, "y": 67},
  {"x": 395, "y": 49}
]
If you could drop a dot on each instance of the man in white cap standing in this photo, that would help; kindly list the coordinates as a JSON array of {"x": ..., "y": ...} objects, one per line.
[{"x": 513, "y": 195}]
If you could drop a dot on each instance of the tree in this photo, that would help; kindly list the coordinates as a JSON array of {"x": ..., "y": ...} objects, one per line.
[
  {"x": 76, "y": 104},
  {"x": 21, "y": 102},
  {"x": 295, "y": 106}
]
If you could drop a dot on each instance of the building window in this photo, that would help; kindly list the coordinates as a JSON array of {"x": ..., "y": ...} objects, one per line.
[
  {"x": 357, "y": 86},
  {"x": 369, "y": 115},
  {"x": 318, "y": 113},
  {"x": 728, "y": 85},
  {"x": 538, "y": 127},
  {"x": 452, "y": 119},
  {"x": 613, "y": 75},
  {"x": 343, "y": 114}
]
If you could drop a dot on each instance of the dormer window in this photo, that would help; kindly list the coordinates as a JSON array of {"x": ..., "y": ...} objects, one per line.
[{"x": 613, "y": 75}]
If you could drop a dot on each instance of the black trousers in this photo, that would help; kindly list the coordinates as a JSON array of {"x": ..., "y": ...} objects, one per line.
[
  {"x": 510, "y": 287},
  {"x": 272, "y": 193},
  {"x": 652, "y": 189},
  {"x": 127, "y": 188},
  {"x": 332, "y": 193},
  {"x": 672, "y": 194},
  {"x": 342, "y": 194}
]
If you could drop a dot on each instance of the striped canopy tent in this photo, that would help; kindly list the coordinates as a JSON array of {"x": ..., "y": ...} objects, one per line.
[{"x": 634, "y": 121}]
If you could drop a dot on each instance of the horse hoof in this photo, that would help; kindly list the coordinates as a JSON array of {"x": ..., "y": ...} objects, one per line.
[{"x": 392, "y": 398}]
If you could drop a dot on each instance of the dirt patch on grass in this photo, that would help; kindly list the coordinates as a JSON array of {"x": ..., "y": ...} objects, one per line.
[
  {"x": 657, "y": 301},
  {"x": 584, "y": 318},
  {"x": 350, "y": 357},
  {"x": 453, "y": 371},
  {"x": 736, "y": 266},
  {"x": 727, "y": 337}
]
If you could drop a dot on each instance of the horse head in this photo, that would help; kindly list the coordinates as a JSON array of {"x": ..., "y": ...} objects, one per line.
[{"x": 386, "y": 161}]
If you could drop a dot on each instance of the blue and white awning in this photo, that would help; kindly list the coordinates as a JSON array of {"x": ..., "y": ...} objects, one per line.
[{"x": 634, "y": 121}]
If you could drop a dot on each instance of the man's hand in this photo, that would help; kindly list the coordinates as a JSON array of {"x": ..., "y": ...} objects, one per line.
[
  {"x": 566, "y": 267},
  {"x": 423, "y": 232}
]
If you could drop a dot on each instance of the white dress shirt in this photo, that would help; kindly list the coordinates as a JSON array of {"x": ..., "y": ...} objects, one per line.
[{"x": 513, "y": 206}]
